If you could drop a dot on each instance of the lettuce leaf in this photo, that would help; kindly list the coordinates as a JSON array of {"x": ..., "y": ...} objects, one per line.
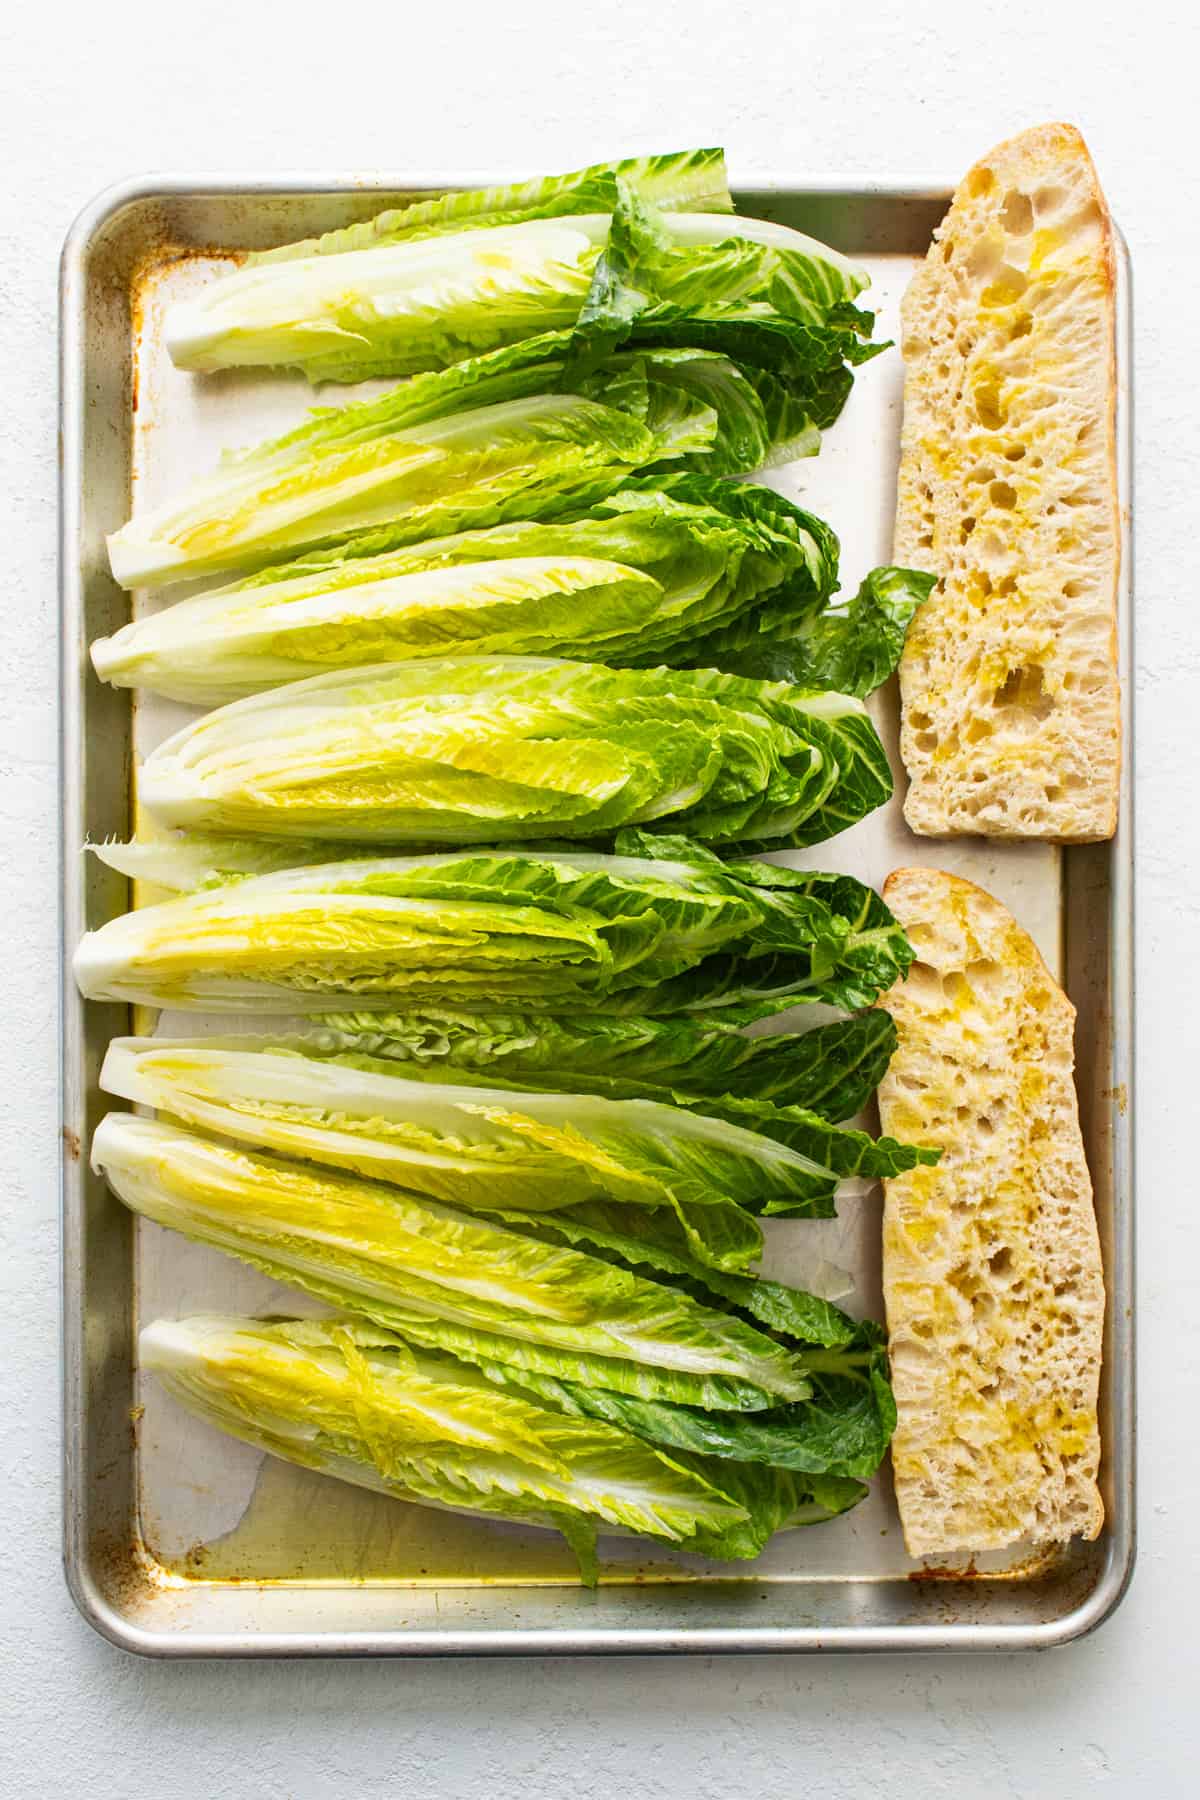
[
  {"x": 660, "y": 927},
  {"x": 678, "y": 181},
  {"x": 468, "y": 1343},
  {"x": 613, "y": 251},
  {"x": 708, "y": 268},
  {"x": 488, "y": 1149},
  {"x": 777, "y": 302},
  {"x": 389, "y": 1254},
  {"x": 472, "y": 749},
  {"x": 354, "y": 1403},
  {"x": 844, "y": 1430},
  {"x": 853, "y": 647},
  {"x": 635, "y": 579},
  {"x": 499, "y": 436},
  {"x": 644, "y": 1240},
  {"x": 433, "y": 281},
  {"x": 832, "y": 1070}
]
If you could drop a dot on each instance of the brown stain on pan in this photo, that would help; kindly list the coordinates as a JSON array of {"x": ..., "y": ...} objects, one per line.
[
  {"x": 970, "y": 1573},
  {"x": 158, "y": 256},
  {"x": 1038, "y": 1560}
]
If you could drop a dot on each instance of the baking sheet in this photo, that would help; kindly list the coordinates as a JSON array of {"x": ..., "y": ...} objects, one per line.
[{"x": 208, "y": 1520}]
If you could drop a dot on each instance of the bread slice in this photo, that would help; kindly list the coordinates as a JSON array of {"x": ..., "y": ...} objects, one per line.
[
  {"x": 1007, "y": 491},
  {"x": 991, "y": 1261}
]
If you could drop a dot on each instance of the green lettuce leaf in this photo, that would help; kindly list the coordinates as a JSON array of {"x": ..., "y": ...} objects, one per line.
[
  {"x": 355, "y": 1404},
  {"x": 805, "y": 370},
  {"x": 852, "y": 648},
  {"x": 679, "y": 181},
  {"x": 659, "y": 928},
  {"x": 634, "y": 579},
  {"x": 487, "y": 1149},
  {"x": 779, "y": 303},
  {"x": 859, "y": 950},
  {"x": 711, "y": 413},
  {"x": 499, "y": 436},
  {"x": 773, "y": 1499},
  {"x": 428, "y": 283},
  {"x": 492, "y": 749},
  {"x": 844, "y": 1430},
  {"x": 469, "y": 1343},
  {"x": 832, "y": 1070},
  {"x": 652, "y": 260},
  {"x": 376, "y": 1250},
  {"x": 642, "y": 1239}
]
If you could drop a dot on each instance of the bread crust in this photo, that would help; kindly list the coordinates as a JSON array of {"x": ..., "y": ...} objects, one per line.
[
  {"x": 1010, "y": 723},
  {"x": 992, "y": 1272}
]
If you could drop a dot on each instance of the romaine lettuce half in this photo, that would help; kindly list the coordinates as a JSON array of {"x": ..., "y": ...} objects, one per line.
[
  {"x": 513, "y": 434},
  {"x": 424, "y": 286},
  {"x": 489, "y": 1149},
  {"x": 646, "y": 576},
  {"x": 350, "y": 1401},
  {"x": 430, "y": 282},
  {"x": 394, "y": 1256},
  {"x": 662, "y": 927},
  {"x": 469, "y": 749}
]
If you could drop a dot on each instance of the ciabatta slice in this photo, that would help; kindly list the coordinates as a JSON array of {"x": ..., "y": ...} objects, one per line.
[
  {"x": 1007, "y": 491},
  {"x": 991, "y": 1261}
]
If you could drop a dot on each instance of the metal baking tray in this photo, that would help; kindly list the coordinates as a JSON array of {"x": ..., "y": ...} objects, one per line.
[{"x": 179, "y": 1541}]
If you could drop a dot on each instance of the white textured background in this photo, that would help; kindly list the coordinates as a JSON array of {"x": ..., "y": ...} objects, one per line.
[{"x": 93, "y": 92}]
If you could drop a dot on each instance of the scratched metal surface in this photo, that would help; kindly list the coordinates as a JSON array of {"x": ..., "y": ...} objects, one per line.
[{"x": 180, "y": 1540}]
